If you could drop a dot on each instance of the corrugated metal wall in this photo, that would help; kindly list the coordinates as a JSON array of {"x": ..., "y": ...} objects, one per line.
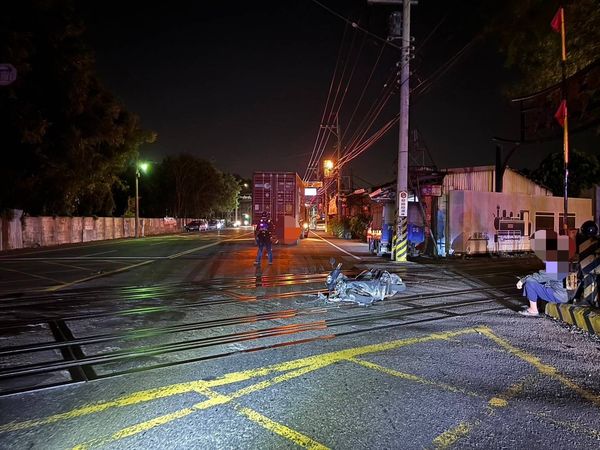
[
  {"x": 482, "y": 179},
  {"x": 515, "y": 183},
  {"x": 469, "y": 179}
]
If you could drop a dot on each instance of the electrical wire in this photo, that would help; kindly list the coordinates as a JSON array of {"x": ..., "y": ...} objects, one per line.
[
  {"x": 355, "y": 25},
  {"x": 313, "y": 160}
]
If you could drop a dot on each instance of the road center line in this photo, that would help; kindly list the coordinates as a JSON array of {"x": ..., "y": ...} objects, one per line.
[
  {"x": 339, "y": 248},
  {"x": 99, "y": 253},
  {"x": 31, "y": 275},
  {"x": 123, "y": 269}
]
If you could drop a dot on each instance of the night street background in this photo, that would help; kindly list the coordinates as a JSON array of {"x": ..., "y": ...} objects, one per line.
[{"x": 251, "y": 80}]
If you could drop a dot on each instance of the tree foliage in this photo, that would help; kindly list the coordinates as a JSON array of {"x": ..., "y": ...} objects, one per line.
[
  {"x": 584, "y": 172},
  {"x": 187, "y": 186},
  {"x": 68, "y": 137},
  {"x": 522, "y": 28}
]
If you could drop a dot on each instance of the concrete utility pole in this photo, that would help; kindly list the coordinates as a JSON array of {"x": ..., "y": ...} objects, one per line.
[
  {"x": 400, "y": 246},
  {"x": 339, "y": 171},
  {"x": 137, "y": 201}
]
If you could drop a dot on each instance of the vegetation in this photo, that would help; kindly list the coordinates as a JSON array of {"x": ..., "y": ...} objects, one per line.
[
  {"x": 359, "y": 225},
  {"x": 69, "y": 138},
  {"x": 522, "y": 28},
  {"x": 350, "y": 227},
  {"x": 584, "y": 172},
  {"x": 73, "y": 146},
  {"x": 187, "y": 186}
]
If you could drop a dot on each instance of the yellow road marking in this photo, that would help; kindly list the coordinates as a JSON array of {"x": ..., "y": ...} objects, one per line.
[
  {"x": 545, "y": 369},
  {"x": 572, "y": 426},
  {"x": 288, "y": 433},
  {"x": 316, "y": 361},
  {"x": 215, "y": 399},
  {"x": 411, "y": 377},
  {"x": 501, "y": 400},
  {"x": 289, "y": 370},
  {"x": 448, "y": 438},
  {"x": 280, "y": 429}
]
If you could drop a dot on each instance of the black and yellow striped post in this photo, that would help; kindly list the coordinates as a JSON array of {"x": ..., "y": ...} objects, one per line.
[
  {"x": 589, "y": 268},
  {"x": 400, "y": 245}
]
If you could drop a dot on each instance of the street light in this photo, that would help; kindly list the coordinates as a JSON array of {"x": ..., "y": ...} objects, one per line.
[
  {"x": 327, "y": 172},
  {"x": 143, "y": 166},
  {"x": 327, "y": 168}
]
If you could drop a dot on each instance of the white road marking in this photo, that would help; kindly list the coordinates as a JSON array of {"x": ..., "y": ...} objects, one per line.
[{"x": 339, "y": 248}]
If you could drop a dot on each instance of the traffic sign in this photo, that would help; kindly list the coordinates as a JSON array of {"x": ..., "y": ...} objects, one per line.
[
  {"x": 8, "y": 74},
  {"x": 403, "y": 204}
]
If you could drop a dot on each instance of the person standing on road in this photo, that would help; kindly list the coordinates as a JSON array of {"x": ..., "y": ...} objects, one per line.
[{"x": 263, "y": 234}]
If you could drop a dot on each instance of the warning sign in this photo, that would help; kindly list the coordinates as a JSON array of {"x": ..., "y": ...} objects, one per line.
[{"x": 403, "y": 204}]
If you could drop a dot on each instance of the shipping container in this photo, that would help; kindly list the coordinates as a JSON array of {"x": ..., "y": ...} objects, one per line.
[{"x": 281, "y": 196}]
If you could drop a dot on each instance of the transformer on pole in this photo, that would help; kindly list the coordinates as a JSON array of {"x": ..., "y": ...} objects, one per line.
[{"x": 400, "y": 249}]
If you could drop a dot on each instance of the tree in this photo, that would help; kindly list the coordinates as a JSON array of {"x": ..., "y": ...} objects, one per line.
[
  {"x": 69, "y": 137},
  {"x": 188, "y": 186},
  {"x": 522, "y": 28},
  {"x": 584, "y": 172}
]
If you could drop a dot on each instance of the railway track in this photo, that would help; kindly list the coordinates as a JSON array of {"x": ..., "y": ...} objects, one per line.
[{"x": 62, "y": 346}]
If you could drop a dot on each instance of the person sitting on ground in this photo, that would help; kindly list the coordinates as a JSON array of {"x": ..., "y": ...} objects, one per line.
[
  {"x": 548, "y": 285},
  {"x": 542, "y": 286}
]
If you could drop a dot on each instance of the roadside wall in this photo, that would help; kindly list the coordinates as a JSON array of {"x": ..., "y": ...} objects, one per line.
[{"x": 18, "y": 231}]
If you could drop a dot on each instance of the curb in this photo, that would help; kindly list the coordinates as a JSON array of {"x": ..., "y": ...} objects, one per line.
[{"x": 586, "y": 318}]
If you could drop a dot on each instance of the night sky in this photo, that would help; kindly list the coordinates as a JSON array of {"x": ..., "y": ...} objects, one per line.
[{"x": 244, "y": 84}]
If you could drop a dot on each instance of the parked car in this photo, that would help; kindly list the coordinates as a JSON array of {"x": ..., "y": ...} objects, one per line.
[
  {"x": 214, "y": 224},
  {"x": 196, "y": 225}
]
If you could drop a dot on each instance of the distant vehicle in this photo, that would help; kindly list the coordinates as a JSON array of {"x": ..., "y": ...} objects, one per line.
[
  {"x": 196, "y": 225},
  {"x": 170, "y": 220},
  {"x": 305, "y": 229},
  {"x": 214, "y": 224}
]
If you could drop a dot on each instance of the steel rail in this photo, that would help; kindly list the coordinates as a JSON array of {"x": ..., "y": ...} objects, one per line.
[
  {"x": 8, "y": 323},
  {"x": 239, "y": 337}
]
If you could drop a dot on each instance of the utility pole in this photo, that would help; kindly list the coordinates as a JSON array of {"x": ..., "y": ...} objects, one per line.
[
  {"x": 400, "y": 246},
  {"x": 137, "y": 201},
  {"x": 339, "y": 166}
]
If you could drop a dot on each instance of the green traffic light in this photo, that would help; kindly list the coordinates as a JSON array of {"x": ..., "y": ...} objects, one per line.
[{"x": 144, "y": 166}]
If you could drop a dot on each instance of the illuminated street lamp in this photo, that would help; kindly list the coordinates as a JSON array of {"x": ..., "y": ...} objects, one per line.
[
  {"x": 327, "y": 173},
  {"x": 143, "y": 166},
  {"x": 327, "y": 168}
]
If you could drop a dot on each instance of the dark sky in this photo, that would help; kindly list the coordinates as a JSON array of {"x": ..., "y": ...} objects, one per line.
[{"x": 243, "y": 84}]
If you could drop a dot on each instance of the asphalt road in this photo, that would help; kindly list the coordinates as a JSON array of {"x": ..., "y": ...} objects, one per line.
[{"x": 181, "y": 342}]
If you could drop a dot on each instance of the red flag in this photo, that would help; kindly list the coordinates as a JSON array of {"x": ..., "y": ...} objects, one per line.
[
  {"x": 561, "y": 113},
  {"x": 556, "y": 23}
]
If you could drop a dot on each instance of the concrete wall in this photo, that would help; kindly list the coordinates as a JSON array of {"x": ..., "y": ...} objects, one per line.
[{"x": 18, "y": 231}]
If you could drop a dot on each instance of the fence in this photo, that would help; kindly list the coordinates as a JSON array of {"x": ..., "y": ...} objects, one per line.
[{"x": 21, "y": 231}]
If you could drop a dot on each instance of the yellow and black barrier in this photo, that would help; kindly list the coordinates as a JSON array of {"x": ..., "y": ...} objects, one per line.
[
  {"x": 586, "y": 318},
  {"x": 400, "y": 242}
]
